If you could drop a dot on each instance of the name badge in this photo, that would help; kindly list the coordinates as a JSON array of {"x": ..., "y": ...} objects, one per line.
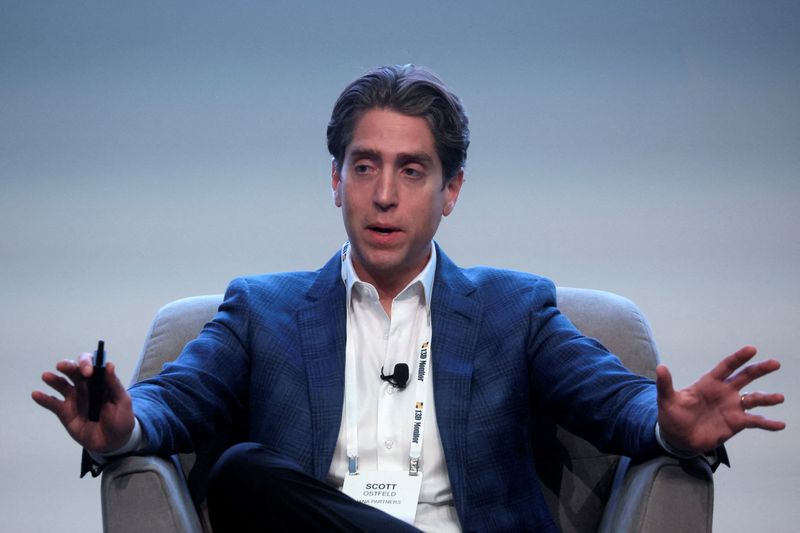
[{"x": 395, "y": 493}]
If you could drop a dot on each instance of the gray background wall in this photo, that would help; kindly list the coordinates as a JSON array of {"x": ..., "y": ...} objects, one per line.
[{"x": 154, "y": 150}]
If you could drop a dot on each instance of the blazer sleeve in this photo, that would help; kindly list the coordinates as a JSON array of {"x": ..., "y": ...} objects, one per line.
[
  {"x": 205, "y": 388},
  {"x": 579, "y": 384}
]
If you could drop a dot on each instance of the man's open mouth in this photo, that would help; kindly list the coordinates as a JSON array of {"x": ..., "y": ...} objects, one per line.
[{"x": 382, "y": 230}]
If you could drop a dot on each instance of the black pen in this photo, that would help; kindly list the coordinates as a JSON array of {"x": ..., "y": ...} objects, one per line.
[{"x": 96, "y": 382}]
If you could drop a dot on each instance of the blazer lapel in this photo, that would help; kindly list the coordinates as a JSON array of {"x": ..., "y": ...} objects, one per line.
[
  {"x": 456, "y": 317},
  {"x": 322, "y": 326}
]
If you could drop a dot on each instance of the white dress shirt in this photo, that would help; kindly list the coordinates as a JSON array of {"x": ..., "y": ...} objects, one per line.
[{"x": 384, "y": 412}]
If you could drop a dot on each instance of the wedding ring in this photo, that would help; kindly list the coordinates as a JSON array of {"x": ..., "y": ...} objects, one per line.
[{"x": 741, "y": 400}]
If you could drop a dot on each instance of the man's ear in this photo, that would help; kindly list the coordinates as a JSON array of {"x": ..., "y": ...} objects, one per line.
[
  {"x": 336, "y": 184},
  {"x": 451, "y": 191}
]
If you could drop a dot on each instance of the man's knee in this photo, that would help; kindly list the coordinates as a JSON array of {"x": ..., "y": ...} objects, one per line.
[
  {"x": 232, "y": 465},
  {"x": 249, "y": 464}
]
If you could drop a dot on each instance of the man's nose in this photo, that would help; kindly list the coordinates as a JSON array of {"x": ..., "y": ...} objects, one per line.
[{"x": 386, "y": 190}]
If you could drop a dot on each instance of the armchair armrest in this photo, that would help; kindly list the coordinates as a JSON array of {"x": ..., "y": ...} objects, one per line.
[
  {"x": 660, "y": 495},
  {"x": 155, "y": 499}
]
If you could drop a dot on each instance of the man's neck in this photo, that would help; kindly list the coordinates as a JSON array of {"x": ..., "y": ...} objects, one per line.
[{"x": 389, "y": 284}]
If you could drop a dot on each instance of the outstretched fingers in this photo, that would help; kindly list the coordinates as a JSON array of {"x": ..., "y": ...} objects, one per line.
[
  {"x": 86, "y": 364},
  {"x": 51, "y": 403},
  {"x": 664, "y": 383},
  {"x": 752, "y": 372},
  {"x": 114, "y": 387},
  {"x": 733, "y": 362},
  {"x": 65, "y": 383},
  {"x": 59, "y": 383},
  {"x": 760, "y": 422},
  {"x": 751, "y": 400},
  {"x": 69, "y": 368}
]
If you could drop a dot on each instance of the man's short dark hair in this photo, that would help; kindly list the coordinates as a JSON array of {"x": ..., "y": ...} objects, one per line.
[{"x": 410, "y": 90}]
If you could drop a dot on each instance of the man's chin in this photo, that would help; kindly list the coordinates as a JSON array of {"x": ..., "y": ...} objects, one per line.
[{"x": 382, "y": 264}]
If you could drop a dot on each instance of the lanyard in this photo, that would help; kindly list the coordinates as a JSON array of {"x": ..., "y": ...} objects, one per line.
[
  {"x": 419, "y": 407},
  {"x": 351, "y": 392}
]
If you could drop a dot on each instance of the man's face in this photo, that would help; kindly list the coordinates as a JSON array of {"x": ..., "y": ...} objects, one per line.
[{"x": 390, "y": 191}]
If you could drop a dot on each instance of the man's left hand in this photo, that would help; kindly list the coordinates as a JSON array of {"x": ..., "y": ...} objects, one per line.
[{"x": 704, "y": 415}]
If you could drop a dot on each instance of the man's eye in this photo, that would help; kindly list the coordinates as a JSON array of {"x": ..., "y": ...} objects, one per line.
[
  {"x": 412, "y": 172},
  {"x": 361, "y": 169}
]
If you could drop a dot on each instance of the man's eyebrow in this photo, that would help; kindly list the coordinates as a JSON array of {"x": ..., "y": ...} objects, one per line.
[
  {"x": 367, "y": 153},
  {"x": 423, "y": 158}
]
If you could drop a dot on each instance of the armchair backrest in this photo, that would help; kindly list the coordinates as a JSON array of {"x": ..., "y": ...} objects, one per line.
[
  {"x": 576, "y": 477},
  {"x": 174, "y": 326}
]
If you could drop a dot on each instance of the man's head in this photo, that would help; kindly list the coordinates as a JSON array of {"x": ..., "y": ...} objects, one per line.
[
  {"x": 399, "y": 140},
  {"x": 409, "y": 90}
]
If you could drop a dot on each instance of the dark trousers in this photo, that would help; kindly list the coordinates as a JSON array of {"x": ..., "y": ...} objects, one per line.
[{"x": 254, "y": 489}]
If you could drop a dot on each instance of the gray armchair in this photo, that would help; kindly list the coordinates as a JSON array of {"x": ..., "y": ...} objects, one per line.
[{"x": 586, "y": 490}]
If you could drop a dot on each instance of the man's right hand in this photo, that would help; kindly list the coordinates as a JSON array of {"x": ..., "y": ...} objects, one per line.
[{"x": 116, "y": 422}]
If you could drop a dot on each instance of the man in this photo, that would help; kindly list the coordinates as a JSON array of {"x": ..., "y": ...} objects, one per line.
[{"x": 313, "y": 361}]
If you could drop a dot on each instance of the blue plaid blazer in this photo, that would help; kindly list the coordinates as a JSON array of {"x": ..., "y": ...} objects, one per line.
[{"x": 274, "y": 356}]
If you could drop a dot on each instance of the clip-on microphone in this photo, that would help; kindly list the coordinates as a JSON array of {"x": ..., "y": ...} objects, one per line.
[{"x": 400, "y": 376}]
